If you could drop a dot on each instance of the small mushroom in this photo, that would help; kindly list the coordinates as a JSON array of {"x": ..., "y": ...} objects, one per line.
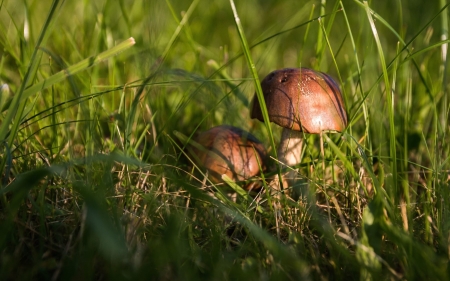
[
  {"x": 300, "y": 100},
  {"x": 231, "y": 151}
]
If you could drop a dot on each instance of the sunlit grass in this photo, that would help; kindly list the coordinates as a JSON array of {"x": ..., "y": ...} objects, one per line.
[{"x": 100, "y": 101}]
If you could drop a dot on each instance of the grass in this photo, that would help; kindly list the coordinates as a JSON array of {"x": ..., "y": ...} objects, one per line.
[{"x": 98, "y": 101}]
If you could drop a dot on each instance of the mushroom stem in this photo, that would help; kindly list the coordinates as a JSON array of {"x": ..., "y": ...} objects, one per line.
[
  {"x": 290, "y": 153},
  {"x": 290, "y": 148}
]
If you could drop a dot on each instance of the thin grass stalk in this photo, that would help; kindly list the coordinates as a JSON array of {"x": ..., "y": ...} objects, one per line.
[
  {"x": 444, "y": 64},
  {"x": 180, "y": 26},
  {"x": 358, "y": 90},
  {"x": 404, "y": 196},
  {"x": 413, "y": 55},
  {"x": 368, "y": 139},
  {"x": 348, "y": 164},
  {"x": 408, "y": 107},
  {"x": 53, "y": 118},
  {"x": 405, "y": 48},
  {"x": 259, "y": 93},
  {"x": 131, "y": 116},
  {"x": 19, "y": 98},
  {"x": 390, "y": 104},
  {"x": 443, "y": 192},
  {"x": 319, "y": 45},
  {"x": 74, "y": 69},
  {"x": 331, "y": 53},
  {"x": 287, "y": 257},
  {"x": 210, "y": 112},
  {"x": 231, "y": 60},
  {"x": 333, "y": 16},
  {"x": 125, "y": 10},
  {"x": 406, "y": 45},
  {"x": 426, "y": 198},
  {"x": 308, "y": 26},
  {"x": 185, "y": 27}
]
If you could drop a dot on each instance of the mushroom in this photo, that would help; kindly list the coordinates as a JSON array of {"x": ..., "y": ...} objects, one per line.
[
  {"x": 231, "y": 151},
  {"x": 300, "y": 100}
]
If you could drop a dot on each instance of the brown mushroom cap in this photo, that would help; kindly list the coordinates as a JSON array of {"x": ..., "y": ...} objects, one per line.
[
  {"x": 302, "y": 99},
  {"x": 231, "y": 151}
]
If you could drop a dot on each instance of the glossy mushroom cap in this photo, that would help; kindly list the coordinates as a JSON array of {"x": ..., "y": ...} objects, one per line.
[
  {"x": 302, "y": 99},
  {"x": 231, "y": 151}
]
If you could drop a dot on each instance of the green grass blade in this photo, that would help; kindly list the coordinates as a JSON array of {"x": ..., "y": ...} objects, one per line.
[
  {"x": 444, "y": 64},
  {"x": 289, "y": 258},
  {"x": 241, "y": 192},
  {"x": 28, "y": 76},
  {"x": 389, "y": 99},
  {"x": 16, "y": 103},
  {"x": 300, "y": 56},
  {"x": 332, "y": 54},
  {"x": 254, "y": 74},
  {"x": 180, "y": 26},
  {"x": 320, "y": 45},
  {"x": 74, "y": 69}
]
